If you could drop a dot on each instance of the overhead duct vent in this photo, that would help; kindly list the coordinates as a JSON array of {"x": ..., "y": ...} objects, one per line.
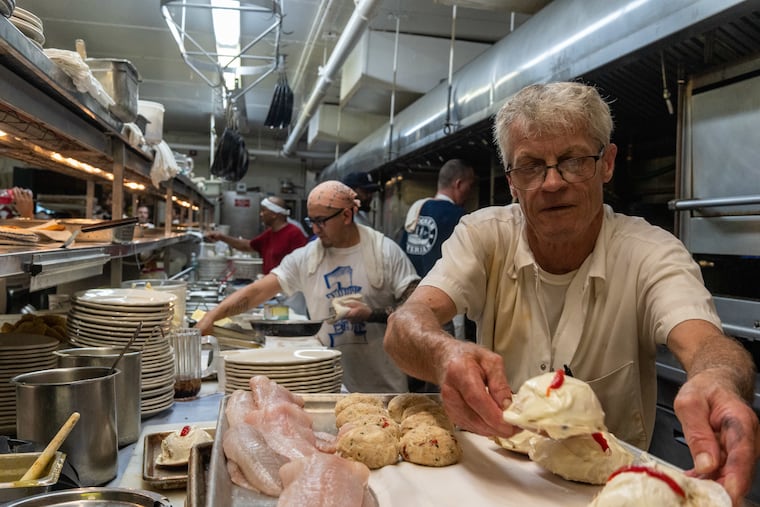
[{"x": 524, "y": 6}]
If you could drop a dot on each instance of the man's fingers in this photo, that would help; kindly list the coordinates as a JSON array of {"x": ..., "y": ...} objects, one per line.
[{"x": 694, "y": 414}]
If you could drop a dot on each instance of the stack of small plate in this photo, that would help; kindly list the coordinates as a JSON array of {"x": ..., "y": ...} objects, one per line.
[
  {"x": 6, "y": 7},
  {"x": 28, "y": 24},
  {"x": 300, "y": 370},
  {"x": 110, "y": 317},
  {"x": 20, "y": 353}
]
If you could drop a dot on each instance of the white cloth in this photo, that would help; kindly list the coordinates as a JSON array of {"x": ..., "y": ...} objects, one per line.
[
  {"x": 72, "y": 64},
  {"x": 133, "y": 134},
  {"x": 340, "y": 307},
  {"x": 164, "y": 165},
  {"x": 339, "y": 272},
  {"x": 413, "y": 215},
  {"x": 638, "y": 283}
]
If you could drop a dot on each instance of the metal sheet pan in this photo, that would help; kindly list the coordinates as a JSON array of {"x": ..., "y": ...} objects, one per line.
[
  {"x": 163, "y": 477},
  {"x": 197, "y": 478},
  {"x": 487, "y": 475}
]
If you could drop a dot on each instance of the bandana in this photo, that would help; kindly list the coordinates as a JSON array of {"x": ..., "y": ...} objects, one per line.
[
  {"x": 275, "y": 208},
  {"x": 333, "y": 194}
]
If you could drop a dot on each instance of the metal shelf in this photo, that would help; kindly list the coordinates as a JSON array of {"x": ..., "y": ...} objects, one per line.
[
  {"x": 42, "y": 108},
  {"x": 49, "y": 265}
]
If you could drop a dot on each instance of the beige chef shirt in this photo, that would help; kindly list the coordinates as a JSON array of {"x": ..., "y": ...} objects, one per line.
[{"x": 637, "y": 284}]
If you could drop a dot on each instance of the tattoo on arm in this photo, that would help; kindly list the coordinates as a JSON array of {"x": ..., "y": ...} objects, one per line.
[{"x": 239, "y": 307}]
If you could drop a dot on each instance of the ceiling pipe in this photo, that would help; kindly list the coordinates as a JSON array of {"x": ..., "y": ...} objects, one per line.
[{"x": 348, "y": 40}]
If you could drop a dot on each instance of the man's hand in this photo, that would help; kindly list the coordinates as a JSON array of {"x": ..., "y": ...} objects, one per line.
[
  {"x": 721, "y": 430},
  {"x": 23, "y": 200},
  {"x": 474, "y": 389}
]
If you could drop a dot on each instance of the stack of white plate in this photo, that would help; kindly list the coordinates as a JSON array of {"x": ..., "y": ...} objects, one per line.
[
  {"x": 110, "y": 317},
  {"x": 6, "y": 7},
  {"x": 28, "y": 24},
  {"x": 20, "y": 353},
  {"x": 300, "y": 370}
]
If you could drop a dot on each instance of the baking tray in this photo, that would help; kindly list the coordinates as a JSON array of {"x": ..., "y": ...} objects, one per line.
[
  {"x": 200, "y": 462},
  {"x": 487, "y": 475},
  {"x": 162, "y": 477},
  {"x": 222, "y": 492},
  {"x": 14, "y": 465}
]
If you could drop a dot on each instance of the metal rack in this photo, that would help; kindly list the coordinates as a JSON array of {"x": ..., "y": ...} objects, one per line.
[
  {"x": 41, "y": 107},
  {"x": 42, "y": 112}
]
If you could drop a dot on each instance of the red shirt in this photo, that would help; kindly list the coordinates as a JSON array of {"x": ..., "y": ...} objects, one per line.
[{"x": 273, "y": 246}]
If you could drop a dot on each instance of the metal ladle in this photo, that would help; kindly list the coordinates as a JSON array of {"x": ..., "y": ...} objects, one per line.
[{"x": 126, "y": 347}]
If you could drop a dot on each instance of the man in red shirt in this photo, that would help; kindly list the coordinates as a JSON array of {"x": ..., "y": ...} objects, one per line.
[{"x": 278, "y": 240}]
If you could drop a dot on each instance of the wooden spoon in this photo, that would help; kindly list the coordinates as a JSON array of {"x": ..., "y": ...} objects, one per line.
[{"x": 42, "y": 460}]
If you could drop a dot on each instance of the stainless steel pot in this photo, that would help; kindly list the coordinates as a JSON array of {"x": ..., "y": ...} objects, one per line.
[
  {"x": 127, "y": 383},
  {"x": 92, "y": 497},
  {"x": 45, "y": 400}
]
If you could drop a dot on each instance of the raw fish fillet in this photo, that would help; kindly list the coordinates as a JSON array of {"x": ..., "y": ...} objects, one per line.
[
  {"x": 267, "y": 392},
  {"x": 326, "y": 442},
  {"x": 240, "y": 404},
  {"x": 258, "y": 463},
  {"x": 323, "y": 480},
  {"x": 286, "y": 428}
]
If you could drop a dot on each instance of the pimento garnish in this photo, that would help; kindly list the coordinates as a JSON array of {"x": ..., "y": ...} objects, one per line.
[
  {"x": 651, "y": 472},
  {"x": 557, "y": 381},
  {"x": 185, "y": 431},
  {"x": 599, "y": 438}
]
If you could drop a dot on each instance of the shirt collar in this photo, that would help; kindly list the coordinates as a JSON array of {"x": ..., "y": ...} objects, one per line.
[
  {"x": 443, "y": 197},
  {"x": 597, "y": 272}
]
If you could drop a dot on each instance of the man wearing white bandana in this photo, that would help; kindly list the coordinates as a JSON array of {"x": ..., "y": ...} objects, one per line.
[{"x": 278, "y": 240}]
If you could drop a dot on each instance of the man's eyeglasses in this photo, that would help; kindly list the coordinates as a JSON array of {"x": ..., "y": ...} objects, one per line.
[
  {"x": 572, "y": 170},
  {"x": 320, "y": 221}
]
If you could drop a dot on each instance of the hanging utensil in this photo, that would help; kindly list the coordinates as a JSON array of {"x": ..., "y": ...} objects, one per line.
[
  {"x": 42, "y": 460},
  {"x": 126, "y": 347}
]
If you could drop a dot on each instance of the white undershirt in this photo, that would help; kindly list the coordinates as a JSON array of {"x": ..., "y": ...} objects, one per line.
[{"x": 552, "y": 291}]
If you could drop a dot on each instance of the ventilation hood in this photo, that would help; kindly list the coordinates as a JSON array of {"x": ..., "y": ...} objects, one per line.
[{"x": 564, "y": 40}]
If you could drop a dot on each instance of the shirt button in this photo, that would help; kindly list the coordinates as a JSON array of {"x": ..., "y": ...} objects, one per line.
[{"x": 543, "y": 366}]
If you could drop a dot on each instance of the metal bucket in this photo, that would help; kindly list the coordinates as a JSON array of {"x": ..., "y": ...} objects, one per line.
[
  {"x": 45, "y": 399},
  {"x": 128, "y": 386}
]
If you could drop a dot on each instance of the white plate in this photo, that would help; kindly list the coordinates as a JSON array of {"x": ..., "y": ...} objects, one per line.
[
  {"x": 10, "y": 342},
  {"x": 282, "y": 356},
  {"x": 157, "y": 409},
  {"x": 123, "y": 308},
  {"x": 28, "y": 29},
  {"x": 126, "y": 297},
  {"x": 84, "y": 312},
  {"x": 286, "y": 376},
  {"x": 28, "y": 17}
]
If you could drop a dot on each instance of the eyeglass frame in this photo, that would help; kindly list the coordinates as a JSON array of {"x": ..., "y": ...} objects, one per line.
[
  {"x": 320, "y": 222},
  {"x": 556, "y": 167}
]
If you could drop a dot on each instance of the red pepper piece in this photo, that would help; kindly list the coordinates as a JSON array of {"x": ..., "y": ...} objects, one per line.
[
  {"x": 601, "y": 441},
  {"x": 557, "y": 381},
  {"x": 185, "y": 431},
  {"x": 651, "y": 472}
]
